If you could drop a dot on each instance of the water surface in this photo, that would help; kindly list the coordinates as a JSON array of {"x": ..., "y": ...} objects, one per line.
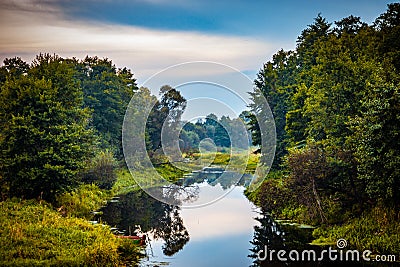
[{"x": 213, "y": 228}]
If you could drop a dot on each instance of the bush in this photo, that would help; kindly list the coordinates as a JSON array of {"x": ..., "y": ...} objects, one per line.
[
  {"x": 101, "y": 170},
  {"x": 272, "y": 196}
]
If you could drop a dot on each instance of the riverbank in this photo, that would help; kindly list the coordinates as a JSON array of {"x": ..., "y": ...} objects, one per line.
[
  {"x": 35, "y": 234},
  {"x": 375, "y": 228}
]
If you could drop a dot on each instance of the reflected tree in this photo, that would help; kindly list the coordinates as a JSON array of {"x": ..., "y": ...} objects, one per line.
[
  {"x": 275, "y": 236},
  {"x": 268, "y": 234},
  {"x": 158, "y": 218},
  {"x": 172, "y": 230},
  {"x": 180, "y": 194}
]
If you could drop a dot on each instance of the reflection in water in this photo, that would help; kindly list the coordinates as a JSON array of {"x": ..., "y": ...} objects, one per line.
[
  {"x": 173, "y": 232},
  {"x": 225, "y": 178},
  {"x": 161, "y": 220},
  {"x": 274, "y": 236},
  {"x": 219, "y": 233},
  {"x": 287, "y": 237},
  {"x": 178, "y": 194}
]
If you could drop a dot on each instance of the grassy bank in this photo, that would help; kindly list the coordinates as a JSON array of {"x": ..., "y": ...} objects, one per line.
[
  {"x": 127, "y": 181},
  {"x": 236, "y": 161},
  {"x": 34, "y": 234},
  {"x": 37, "y": 233},
  {"x": 376, "y": 228}
]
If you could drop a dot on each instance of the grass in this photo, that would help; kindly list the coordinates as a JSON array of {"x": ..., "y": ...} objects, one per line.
[
  {"x": 128, "y": 181},
  {"x": 377, "y": 230},
  {"x": 125, "y": 182},
  {"x": 37, "y": 234},
  {"x": 34, "y": 234},
  {"x": 169, "y": 172},
  {"x": 237, "y": 161},
  {"x": 83, "y": 200}
]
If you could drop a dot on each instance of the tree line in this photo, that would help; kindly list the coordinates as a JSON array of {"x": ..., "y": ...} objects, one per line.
[
  {"x": 336, "y": 103},
  {"x": 215, "y": 129},
  {"x": 61, "y": 123}
]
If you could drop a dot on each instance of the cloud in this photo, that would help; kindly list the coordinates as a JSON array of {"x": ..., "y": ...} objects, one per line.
[
  {"x": 41, "y": 6},
  {"x": 31, "y": 26}
]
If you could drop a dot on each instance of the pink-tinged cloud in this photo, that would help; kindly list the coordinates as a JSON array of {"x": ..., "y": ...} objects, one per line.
[{"x": 31, "y": 27}]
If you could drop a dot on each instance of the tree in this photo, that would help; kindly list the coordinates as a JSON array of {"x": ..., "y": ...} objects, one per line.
[
  {"x": 166, "y": 111},
  {"x": 388, "y": 26},
  {"x": 275, "y": 82},
  {"x": 335, "y": 105},
  {"x": 107, "y": 92},
  {"x": 376, "y": 143},
  {"x": 221, "y": 136},
  {"x": 350, "y": 25},
  {"x": 44, "y": 135}
]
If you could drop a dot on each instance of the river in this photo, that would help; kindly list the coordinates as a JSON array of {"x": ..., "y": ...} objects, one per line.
[{"x": 216, "y": 225}]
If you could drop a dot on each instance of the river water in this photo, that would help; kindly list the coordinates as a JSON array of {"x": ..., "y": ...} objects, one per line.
[
  {"x": 220, "y": 233},
  {"x": 216, "y": 226}
]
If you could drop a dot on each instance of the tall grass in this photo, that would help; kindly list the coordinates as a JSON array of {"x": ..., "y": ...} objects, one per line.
[
  {"x": 83, "y": 200},
  {"x": 377, "y": 230},
  {"x": 33, "y": 234}
]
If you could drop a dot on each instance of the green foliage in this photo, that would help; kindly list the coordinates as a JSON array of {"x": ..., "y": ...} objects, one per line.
[
  {"x": 275, "y": 81},
  {"x": 44, "y": 135},
  {"x": 129, "y": 251},
  {"x": 125, "y": 182},
  {"x": 376, "y": 230},
  {"x": 107, "y": 92},
  {"x": 375, "y": 141},
  {"x": 168, "y": 110},
  {"x": 335, "y": 101},
  {"x": 238, "y": 160},
  {"x": 101, "y": 170},
  {"x": 317, "y": 182},
  {"x": 224, "y": 132},
  {"x": 272, "y": 196},
  {"x": 82, "y": 201},
  {"x": 170, "y": 172},
  {"x": 35, "y": 235}
]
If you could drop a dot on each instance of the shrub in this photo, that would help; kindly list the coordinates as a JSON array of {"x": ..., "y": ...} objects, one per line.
[{"x": 101, "y": 170}]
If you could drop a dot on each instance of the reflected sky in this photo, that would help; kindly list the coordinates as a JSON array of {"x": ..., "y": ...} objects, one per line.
[
  {"x": 232, "y": 214},
  {"x": 219, "y": 233}
]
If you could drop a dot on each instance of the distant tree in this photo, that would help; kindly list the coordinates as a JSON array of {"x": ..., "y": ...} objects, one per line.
[
  {"x": 221, "y": 136},
  {"x": 168, "y": 110}
]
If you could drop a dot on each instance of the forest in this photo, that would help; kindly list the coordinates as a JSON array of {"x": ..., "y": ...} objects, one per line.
[{"x": 335, "y": 99}]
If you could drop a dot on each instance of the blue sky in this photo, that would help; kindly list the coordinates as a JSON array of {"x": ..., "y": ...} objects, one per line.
[
  {"x": 144, "y": 34},
  {"x": 148, "y": 36},
  {"x": 264, "y": 19}
]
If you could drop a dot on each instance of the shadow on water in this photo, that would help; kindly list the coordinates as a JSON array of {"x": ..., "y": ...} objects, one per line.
[
  {"x": 271, "y": 237},
  {"x": 161, "y": 220}
]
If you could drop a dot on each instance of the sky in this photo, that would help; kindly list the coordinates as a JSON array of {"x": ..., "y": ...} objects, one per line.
[{"x": 148, "y": 36}]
